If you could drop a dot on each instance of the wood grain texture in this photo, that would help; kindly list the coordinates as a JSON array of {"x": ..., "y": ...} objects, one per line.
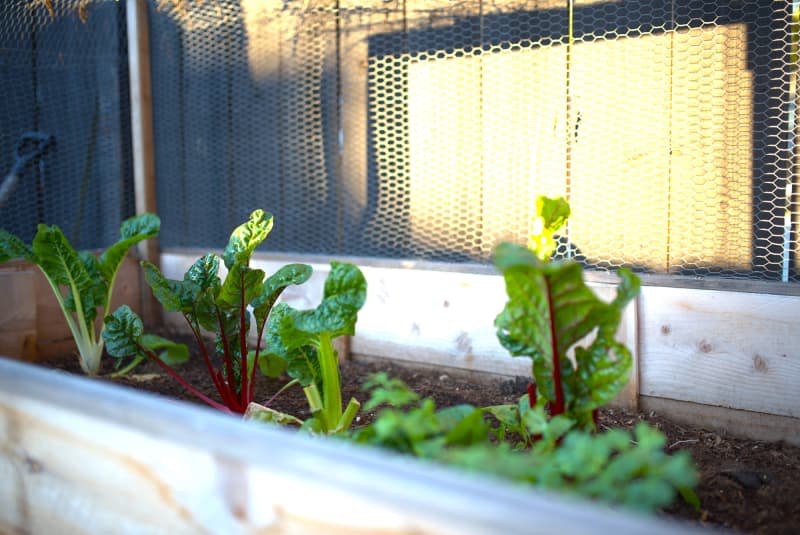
[
  {"x": 142, "y": 144},
  {"x": 725, "y": 349},
  {"x": 18, "y": 317},
  {"x": 49, "y": 332},
  {"x": 748, "y": 424},
  {"x": 72, "y": 462}
]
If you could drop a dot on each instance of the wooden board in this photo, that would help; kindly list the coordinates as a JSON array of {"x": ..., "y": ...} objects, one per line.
[
  {"x": 49, "y": 330},
  {"x": 726, "y": 349},
  {"x": 754, "y": 425},
  {"x": 18, "y": 317},
  {"x": 72, "y": 462}
]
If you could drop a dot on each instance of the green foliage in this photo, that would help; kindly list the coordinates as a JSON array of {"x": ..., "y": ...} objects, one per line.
[
  {"x": 81, "y": 282},
  {"x": 303, "y": 339},
  {"x": 210, "y": 304},
  {"x": 551, "y": 215},
  {"x": 549, "y": 311},
  {"x": 614, "y": 467}
]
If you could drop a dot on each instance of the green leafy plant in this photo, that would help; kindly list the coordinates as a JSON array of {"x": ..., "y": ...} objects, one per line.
[
  {"x": 303, "y": 340},
  {"x": 81, "y": 282},
  {"x": 550, "y": 311},
  {"x": 220, "y": 307},
  {"x": 615, "y": 467}
]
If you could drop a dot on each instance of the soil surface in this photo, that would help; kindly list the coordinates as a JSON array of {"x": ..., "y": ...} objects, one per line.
[{"x": 750, "y": 486}]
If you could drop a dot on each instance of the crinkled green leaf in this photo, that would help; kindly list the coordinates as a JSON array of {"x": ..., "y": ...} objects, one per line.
[
  {"x": 551, "y": 215},
  {"x": 92, "y": 296},
  {"x": 172, "y": 294},
  {"x": 246, "y": 237},
  {"x": 166, "y": 350},
  {"x": 58, "y": 260},
  {"x": 273, "y": 287},
  {"x": 12, "y": 247},
  {"x": 241, "y": 285},
  {"x": 123, "y": 333},
  {"x": 132, "y": 231},
  {"x": 344, "y": 295},
  {"x": 204, "y": 273},
  {"x": 549, "y": 310}
]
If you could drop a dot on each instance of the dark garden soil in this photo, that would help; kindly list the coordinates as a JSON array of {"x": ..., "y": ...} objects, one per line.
[{"x": 750, "y": 486}]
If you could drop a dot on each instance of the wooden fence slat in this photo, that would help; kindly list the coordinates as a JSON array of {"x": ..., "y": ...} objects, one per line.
[{"x": 726, "y": 349}]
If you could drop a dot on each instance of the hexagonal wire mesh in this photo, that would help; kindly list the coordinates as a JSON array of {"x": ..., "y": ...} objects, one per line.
[
  {"x": 425, "y": 129},
  {"x": 65, "y": 119}
]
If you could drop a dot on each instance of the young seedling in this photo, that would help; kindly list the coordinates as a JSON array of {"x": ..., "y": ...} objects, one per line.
[
  {"x": 223, "y": 308},
  {"x": 81, "y": 282},
  {"x": 303, "y": 339}
]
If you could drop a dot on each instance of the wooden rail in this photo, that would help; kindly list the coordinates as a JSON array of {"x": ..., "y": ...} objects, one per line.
[{"x": 86, "y": 457}]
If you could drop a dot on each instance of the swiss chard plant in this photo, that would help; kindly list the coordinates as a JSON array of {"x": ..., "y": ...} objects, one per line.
[
  {"x": 82, "y": 282},
  {"x": 617, "y": 466},
  {"x": 303, "y": 340},
  {"x": 212, "y": 305},
  {"x": 550, "y": 312}
]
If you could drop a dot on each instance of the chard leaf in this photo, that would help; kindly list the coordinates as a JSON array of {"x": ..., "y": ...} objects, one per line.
[
  {"x": 132, "y": 231},
  {"x": 204, "y": 273},
  {"x": 549, "y": 310},
  {"x": 241, "y": 281},
  {"x": 269, "y": 364},
  {"x": 551, "y": 214},
  {"x": 170, "y": 293},
  {"x": 295, "y": 335},
  {"x": 92, "y": 296},
  {"x": 274, "y": 286},
  {"x": 168, "y": 352},
  {"x": 246, "y": 237},
  {"x": 12, "y": 247},
  {"x": 344, "y": 295},
  {"x": 123, "y": 333},
  {"x": 58, "y": 260}
]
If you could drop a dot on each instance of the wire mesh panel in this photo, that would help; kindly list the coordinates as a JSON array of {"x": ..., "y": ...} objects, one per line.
[
  {"x": 64, "y": 119},
  {"x": 425, "y": 129}
]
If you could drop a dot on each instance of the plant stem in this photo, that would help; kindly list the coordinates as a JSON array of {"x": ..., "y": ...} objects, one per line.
[
  {"x": 283, "y": 389},
  {"x": 558, "y": 405},
  {"x": 331, "y": 390},
  {"x": 244, "y": 372},
  {"x": 227, "y": 350},
  {"x": 124, "y": 371},
  {"x": 211, "y": 370},
  {"x": 184, "y": 383}
]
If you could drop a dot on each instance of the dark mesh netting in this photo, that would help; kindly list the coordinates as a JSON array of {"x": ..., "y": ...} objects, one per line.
[{"x": 64, "y": 119}]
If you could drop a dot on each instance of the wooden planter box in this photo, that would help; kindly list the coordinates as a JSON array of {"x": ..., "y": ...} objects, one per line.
[{"x": 82, "y": 456}]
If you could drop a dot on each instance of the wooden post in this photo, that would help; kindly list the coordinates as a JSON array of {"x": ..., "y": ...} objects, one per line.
[{"x": 142, "y": 137}]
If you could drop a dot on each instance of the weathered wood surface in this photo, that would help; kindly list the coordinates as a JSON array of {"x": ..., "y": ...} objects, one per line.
[
  {"x": 81, "y": 456},
  {"x": 725, "y": 349},
  {"x": 47, "y": 329},
  {"x": 18, "y": 317}
]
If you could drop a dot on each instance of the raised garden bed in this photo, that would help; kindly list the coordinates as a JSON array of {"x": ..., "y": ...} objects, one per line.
[{"x": 748, "y": 485}]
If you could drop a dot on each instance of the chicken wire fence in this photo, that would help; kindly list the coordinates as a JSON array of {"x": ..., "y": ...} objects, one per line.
[
  {"x": 425, "y": 129},
  {"x": 64, "y": 119}
]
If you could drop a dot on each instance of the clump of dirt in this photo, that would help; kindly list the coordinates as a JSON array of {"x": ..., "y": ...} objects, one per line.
[{"x": 746, "y": 485}]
